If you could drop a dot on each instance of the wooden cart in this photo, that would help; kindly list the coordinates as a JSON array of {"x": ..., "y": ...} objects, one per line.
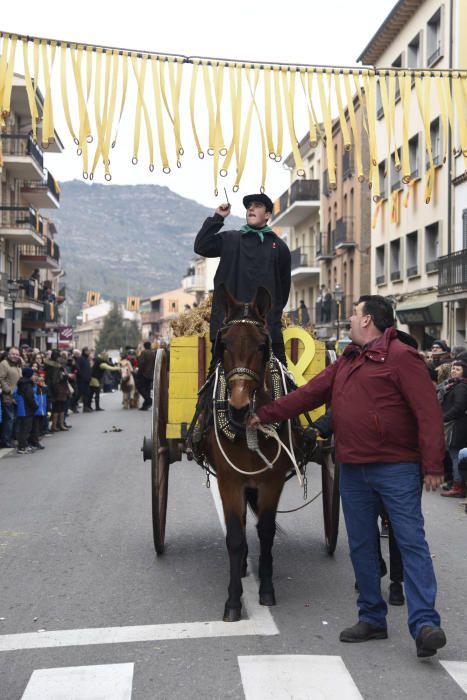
[{"x": 175, "y": 392}]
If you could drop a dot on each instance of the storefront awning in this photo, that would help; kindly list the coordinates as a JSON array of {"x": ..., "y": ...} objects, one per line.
[{"x": 419, "y": 313}]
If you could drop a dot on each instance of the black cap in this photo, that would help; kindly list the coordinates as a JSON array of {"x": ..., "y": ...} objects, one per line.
[
  {"x": 441, "y": 344},
  {"x": 261, "y": 198}
]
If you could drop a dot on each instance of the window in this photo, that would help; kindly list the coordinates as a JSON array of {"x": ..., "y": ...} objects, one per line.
[
  {"x": 382, "y": 179},
  {"x": 395, "y": 260},
  {"x": 464, "y": 229},
  {"x": 414, "y": 52},
  {"x": 434, "y": 37},
  {"x": 396, "y": 183},
  {"x": 432, "y": 247},
  {"x": 347, "y": 164},
  {"x": 435, "y": 133},
  {"x": 379, "y": 102},
  {"x": 380, "y": 265},
  {"x": 156, "y": 305},
  {"x": 412, "y": 254},
  {"x": 414, "y": 156},
  {"x": 398, "y": 63}
]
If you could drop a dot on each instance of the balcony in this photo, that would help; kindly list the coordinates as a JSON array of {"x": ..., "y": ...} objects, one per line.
[
  {"x": 30, "y": 296},
  {"x": 303, "y": 264},
  {"x": 193, "y": 283},
  {"x": 43, "y": 194},
  {"x": 297, "y": 203},
  {"x": 328, "y": 311},
  {"x": 46, "y": 257},
  {"x": 22, "y": 157},
  {"x": 452, "y": 271},
  {"x": 21, "y": 224},
  {"x": 325, "y": 247},
  {"x": 344, "y": 237},
  {"x": 148, "y": 317},
  {"x": 40, "y": 320}
]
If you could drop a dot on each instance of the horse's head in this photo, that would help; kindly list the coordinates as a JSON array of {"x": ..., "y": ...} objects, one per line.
[{"x": 244, "y": 345}]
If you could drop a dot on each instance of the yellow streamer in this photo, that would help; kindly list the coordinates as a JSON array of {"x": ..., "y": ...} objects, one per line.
[
  {"x": 48, "y": 132},
  {"x": 76, "y": 54},
  {"x": 245, "y": 141},
  {"x": 267, "y": 111},
  {"x": 280, "y": 124},
  {"x": 354, "y": 127},
  {"x": 235, "y": 82},
  {"x": 342, "y": 119},
  {"x": 405, "y": 84},
  {"x": 444, "y": 115},
  {"x": 194, "y": 78},
  {"x": 423, "y": 99},
  {"x": 141, "y": 107},
  {"x": 326, "y": 112},
  {"x": 64, "y": 89},
  {"x": 261, "y": 129},
  {"x": 159, "y": 115},
  {"x": 30, "y": 91},
  {"x": 7, "y": 81},
  {"x": 288, "y": 87},
  {"x": 210, "y": 107},
  {"x": 123, "y": 97},
  {"x": 376, "y": 211}
]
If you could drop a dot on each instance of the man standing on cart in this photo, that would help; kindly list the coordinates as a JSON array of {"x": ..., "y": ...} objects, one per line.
[{"x": 250, "y": 258}]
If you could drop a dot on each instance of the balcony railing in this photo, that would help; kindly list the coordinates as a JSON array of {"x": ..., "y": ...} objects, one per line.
[
  {"x": 327, "y": 310},
  {"x": 412, "y": 271},
  {"x": 452, "y": 271},
  {"x": 395, "y": 275},
  {"x": 150, "y": 316},
  {"x": 325, "y": 246},
  {"x": 299, "y": 191},
  {"x": 296, "y": 316},
  {"x": 344, "y": 236},
  {"x": 51, "y": 249},
  {"x": 48, "y": 184},
  {"x": 22, "y": 145},
  {"x": 380, "y": 279},
  {"x": 21, "y": 217},
  {"x": 302, "y": 257}
]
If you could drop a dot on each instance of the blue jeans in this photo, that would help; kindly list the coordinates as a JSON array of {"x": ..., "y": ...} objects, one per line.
[
  {"x": 397, "y": 486},
  {"x": 456, "y": 456},
  {"x": 8, "y": 421}
]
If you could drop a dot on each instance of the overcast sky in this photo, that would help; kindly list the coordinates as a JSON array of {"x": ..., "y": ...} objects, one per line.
[{"x": 325, "y": 33}]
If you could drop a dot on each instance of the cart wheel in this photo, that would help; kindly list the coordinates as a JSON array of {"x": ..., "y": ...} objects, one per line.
[
  {"x": 160, "y": 450},
  {"x": 331, "y": 498}
]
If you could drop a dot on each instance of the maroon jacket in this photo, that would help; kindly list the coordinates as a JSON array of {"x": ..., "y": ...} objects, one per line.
[{"x": 384, "y": 405}]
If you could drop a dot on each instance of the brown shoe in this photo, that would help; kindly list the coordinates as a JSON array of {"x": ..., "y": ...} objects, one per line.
[{"x": 363, "y": 632}]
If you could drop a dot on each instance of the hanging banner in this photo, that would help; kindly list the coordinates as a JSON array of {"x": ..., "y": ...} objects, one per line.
[{"x": 229, "y": 103}]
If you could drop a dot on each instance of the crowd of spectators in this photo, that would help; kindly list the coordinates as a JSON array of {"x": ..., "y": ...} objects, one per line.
[
  {"x": 39, "y": 390},
  {"x": 448, "y": 371}
]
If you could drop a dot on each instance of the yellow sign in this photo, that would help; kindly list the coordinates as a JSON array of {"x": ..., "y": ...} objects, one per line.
[
  {"x": 132, "y": 303},
  {"x": 93, "y": 298}
]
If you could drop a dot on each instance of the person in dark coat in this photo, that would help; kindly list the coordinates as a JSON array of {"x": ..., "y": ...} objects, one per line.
[
  {"x": 388, "y": 425},
  {"x": 26, "y": 407},
  {"x": 303, "y": 315},
  {"x": 454, "y": 407},
  {"x": 83, "y": 377},
  {"x": 250, "y": 258},
  {"x": 59, "y": 392},
  {"x": 144, "y": 376}
]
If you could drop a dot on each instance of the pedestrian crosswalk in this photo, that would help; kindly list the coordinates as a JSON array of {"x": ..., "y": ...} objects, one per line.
[{"x": 264, "y": 677}]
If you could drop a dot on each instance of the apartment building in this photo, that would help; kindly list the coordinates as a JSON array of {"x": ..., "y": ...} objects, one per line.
[
  {"x": 157, "y": 311},
  {"x": 418, "y": 248},
  {"x": 91, "y": 320},
  {"x": 297, "y": 213},
  {"x": 344, "y": 244},
  {"x": 199, "y": 277},
  {"x": 30, "y": 269}
]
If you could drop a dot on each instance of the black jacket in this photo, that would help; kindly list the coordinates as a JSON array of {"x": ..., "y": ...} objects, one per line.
[
  {"x": 246, "y": 264},
  {"x": 25, "y": 387},
  {"x": 84, "y": 369},
  {"x": 454, "y": 408}
]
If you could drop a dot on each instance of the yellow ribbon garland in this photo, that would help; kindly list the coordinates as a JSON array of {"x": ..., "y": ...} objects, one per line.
[{"x": 94, "y": 83}]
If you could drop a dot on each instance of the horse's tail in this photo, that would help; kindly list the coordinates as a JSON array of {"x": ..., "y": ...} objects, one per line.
[{"x": 251, "y": 496}]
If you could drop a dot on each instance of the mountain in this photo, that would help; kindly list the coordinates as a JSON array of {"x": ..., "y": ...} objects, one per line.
[{"x": 125, "y": 239}]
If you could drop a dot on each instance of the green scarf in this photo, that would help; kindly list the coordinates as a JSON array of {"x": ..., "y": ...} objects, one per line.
[{"x": 259, "y": 231}]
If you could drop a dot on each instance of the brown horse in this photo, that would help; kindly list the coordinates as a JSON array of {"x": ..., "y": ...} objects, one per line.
[{"x": 243, "y": 347}]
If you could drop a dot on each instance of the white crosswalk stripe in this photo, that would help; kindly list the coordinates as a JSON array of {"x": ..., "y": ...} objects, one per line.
[
  {"x": 296, "y": 677},
  {"x": 107, "y": 682},
  {"x": 458, "y": 671}
]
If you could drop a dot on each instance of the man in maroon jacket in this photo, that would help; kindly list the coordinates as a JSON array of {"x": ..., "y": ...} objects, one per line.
[{"x": 388, "y": 425}]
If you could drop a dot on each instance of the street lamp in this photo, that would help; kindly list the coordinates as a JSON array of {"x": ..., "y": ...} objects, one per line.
[
  {"x": 13, "y": 291},
  {"x": 338, "y": 296}
]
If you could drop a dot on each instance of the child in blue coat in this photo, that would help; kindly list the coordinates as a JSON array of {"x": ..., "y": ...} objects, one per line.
[{"x": 26, "y": 407}]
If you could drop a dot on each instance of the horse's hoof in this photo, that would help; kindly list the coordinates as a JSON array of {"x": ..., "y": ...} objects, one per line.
[
  {"x": 232, "y": 614},
  {"x": 268, "y": 599}
]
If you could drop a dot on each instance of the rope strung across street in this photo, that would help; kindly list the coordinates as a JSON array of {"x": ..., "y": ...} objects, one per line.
[{"x": 234, "y": 97}]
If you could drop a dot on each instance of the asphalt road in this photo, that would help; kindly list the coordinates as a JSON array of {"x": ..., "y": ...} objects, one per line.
[{"x": 76, "y": 554}]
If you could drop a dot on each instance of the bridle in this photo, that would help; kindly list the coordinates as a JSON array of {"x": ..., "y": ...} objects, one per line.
[{"x": 245, "y": 372}]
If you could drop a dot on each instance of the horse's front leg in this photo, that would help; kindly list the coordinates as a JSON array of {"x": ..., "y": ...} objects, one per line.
[
  {"x": 268, "y": 500},
  {"x": 234, "y": 512}
]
